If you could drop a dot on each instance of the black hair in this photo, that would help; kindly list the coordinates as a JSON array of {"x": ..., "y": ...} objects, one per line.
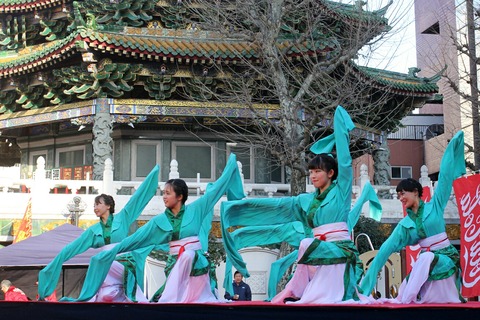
[
  {"x": 108, "y": 200},
  {"x": 180, "y": 187},
  {"x": 237, "y": 272},
  {"x": 410, "y": 185},
  {"x": 326, "y": 162}
]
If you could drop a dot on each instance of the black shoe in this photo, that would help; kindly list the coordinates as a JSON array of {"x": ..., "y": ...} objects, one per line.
[{"x": 290, "y": 299}]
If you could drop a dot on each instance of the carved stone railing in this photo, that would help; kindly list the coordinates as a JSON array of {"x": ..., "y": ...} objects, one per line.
[{"x": 48, "y": 205}]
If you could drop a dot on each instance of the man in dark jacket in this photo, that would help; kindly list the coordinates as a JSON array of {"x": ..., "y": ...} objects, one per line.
[{"x": 241, "y": 290}]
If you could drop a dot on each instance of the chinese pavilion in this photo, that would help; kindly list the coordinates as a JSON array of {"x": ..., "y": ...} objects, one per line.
[{"x": 84, "y": 81}]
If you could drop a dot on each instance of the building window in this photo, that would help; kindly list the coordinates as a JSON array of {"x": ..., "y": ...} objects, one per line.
[
  {"x": 146, "y": 154},
  {"x": 194, "y": 158},
  {"x": 35, "y": 155},
  {"x": 70, "y": 157},
  {"x": 433, "y": 29},
  {"x": 278, "y": 174},
  {"x": 244, "y": 155},
  {"x": 401, "y": 172}
]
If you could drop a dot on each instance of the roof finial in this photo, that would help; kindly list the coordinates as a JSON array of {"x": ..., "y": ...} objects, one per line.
[{"x": 360, "y": 3}]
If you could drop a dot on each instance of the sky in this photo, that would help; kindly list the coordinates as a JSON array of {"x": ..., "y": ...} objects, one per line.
[{"x": 397, "y": 51}]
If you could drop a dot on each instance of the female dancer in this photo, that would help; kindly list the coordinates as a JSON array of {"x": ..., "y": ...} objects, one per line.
[
  {"x": 435, "y": 276},
  {"x": 184, "y": 227},
  {"x": 328, "y": 267},
  {"x": 110, "y": 229}
]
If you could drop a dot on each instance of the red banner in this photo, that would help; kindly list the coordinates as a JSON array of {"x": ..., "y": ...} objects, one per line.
[
  {"x": 467, "y": 193},
  {"x": 25, "y": 229},
  {"x": 412, "y": 252}
]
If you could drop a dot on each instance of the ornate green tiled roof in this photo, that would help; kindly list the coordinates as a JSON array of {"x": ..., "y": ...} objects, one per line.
[
  {"x": 191, "y": 45},
  {"x": 397, "y": 82},
  {"x": 27, "y": 5},
  {"x": 354, "y": 13},
  {"x": 36, "y": 57},
  {"x": 185, "y": 44}
]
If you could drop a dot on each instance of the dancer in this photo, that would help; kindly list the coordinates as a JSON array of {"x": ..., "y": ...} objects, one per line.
[
  {"x": 328, "y": 265},
  {"x": 185, "y": 227},
  {"x": 435, "y": 276},
  {"x": 111, "y": 229}
]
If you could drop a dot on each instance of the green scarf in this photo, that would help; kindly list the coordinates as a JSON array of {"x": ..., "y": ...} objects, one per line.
[
  {"x": 175, "y": 221},
  {"x": 107, "y": 229},
  {"x": 417, "y": 218},
  {"x": 317, "y": 201}
]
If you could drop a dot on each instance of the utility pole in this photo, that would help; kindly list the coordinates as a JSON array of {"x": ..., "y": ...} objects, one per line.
[{"x": 473, "y": 78}]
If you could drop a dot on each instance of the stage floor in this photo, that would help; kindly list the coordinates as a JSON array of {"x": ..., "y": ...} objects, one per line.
[{"x": 233, "y": 311}]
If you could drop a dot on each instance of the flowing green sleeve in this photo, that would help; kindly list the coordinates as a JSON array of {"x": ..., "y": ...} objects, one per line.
[
  {"x": 229, "y": 182},
  {"x": 368, "y": 194},
  {"x": 452, "y": 167},
  {"x": 264, "y": 212},
  {"x": 342, "y": 125},
  {"x": 292, "y": 233},
  {"x": 399, "y": 238},
  {"x": 277, "y": 270},
  {"x": 150, "y": 234},
  {"x": 48, "y": 276},
  {"x": 340, "y": 139},
  {"x": 135, "y": 205}
]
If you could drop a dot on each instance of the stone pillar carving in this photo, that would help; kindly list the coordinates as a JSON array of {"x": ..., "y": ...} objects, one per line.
[
  {"x": 425, "y": 180},
  {"x": 102, "y": 137},
  {"x": 108, "y": 187},
  {"x": 381, "y": 168},
  {"x": 174, "y": 174}
]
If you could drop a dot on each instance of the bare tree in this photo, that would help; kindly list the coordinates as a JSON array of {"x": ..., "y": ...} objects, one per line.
[{"x": 296, "y": 56}]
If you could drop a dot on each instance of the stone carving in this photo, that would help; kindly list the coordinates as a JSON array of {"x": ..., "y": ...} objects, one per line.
[
  {"x": 381, "y": 166},
  {"x": 102, "y": 141},
  {"x": 257, "y": 282}
]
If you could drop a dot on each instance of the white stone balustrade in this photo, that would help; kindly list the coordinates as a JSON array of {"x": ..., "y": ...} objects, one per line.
[{"x": 48, "y": 205}]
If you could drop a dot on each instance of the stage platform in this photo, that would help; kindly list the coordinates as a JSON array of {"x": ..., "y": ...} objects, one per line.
[{"x": 233, "y": 311}]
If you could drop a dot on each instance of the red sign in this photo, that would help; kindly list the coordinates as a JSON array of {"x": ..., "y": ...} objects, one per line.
[
  {"x": 467, "y": 192},
  {"x": 412, "y": 252}
]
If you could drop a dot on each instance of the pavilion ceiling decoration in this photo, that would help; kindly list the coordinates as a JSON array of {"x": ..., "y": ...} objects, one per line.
[
  {"x": 82, "y": 120},
  {"x": 18, "y": 33},
  {"x": 160, "y": 87},
  {"x": 133, "y": 13},
  {"x": 7, "y": 101},
  {"x": 54, "y": 29},
  {"x": 173, "y": 16},
  {"x": 200, "y": 88},
  {"x": 55, "y": 92},
  {"x": 30, "y": 97},
  {"x": 106, "y": 79}
]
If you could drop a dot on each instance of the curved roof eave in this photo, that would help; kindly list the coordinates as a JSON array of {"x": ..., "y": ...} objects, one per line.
[{"x": 38, "y": 57}]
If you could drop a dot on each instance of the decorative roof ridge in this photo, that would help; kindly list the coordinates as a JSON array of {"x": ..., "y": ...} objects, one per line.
[
  {"x": 168, "y": 46},
  {"x": 352, "y": 10},
  {"x": 27, "y": 5},
  {"x": 383, "y": 11},
  {"x": 33, "y": 54},
  {"x": 411, "y": 75},
  {"x": 170, "y": 34},
  {"x": 400, "y": 83}
]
